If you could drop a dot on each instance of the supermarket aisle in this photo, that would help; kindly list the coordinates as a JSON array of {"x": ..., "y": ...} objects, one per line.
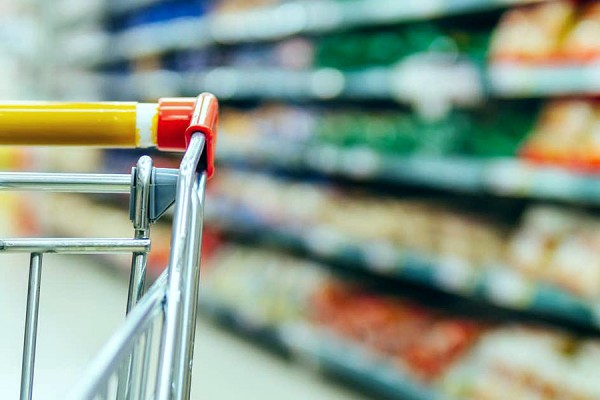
[{"x": 82, "y": 303}]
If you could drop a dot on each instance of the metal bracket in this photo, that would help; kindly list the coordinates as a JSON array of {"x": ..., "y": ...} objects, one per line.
[{"x": 163, "y": 188}]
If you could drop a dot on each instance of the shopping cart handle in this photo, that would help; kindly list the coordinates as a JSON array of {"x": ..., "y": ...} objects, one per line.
[
  {"x": 167, "y": 125},
  {"x": 180, "y": 118}
]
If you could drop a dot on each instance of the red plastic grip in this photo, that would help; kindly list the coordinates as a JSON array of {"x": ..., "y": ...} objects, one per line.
[{"x": 180, "y": 118}]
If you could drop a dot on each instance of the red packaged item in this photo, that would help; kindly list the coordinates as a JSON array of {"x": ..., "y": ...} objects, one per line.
[
  {"x": 328, "y": 303},
  {"x": 435, "y": 350},
  {"x": 383, "y": 324},
  {"x": 401, "y": 331}
]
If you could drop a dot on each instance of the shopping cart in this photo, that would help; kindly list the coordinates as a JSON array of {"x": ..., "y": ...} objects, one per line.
[{"x": 150, "y": 356}]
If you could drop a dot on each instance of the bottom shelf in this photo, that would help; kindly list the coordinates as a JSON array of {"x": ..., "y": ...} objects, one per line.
[
  {"x": 344, "y": 360},
  {"x": 396, "y": 343}
]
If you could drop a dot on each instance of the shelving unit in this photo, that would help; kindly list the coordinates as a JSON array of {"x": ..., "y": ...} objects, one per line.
[
  {"x": 389, "y": 84},
  {"x": 493, "y": 283},
  {"x": 358, "y": 339},
  {"x": 500, "y": 176},
  {"x": 168, "y": 58},
  {"x": 515, "y": 80}
]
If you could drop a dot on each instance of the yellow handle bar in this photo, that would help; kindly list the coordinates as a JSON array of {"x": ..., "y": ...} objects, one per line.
[{"x": 84, "y": 124}]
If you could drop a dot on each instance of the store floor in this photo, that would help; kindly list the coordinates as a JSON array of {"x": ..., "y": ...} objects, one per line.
[{"x": 82, "y": 303}]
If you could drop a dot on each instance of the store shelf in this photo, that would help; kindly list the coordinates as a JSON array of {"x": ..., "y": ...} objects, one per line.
[
  {"x": 404, "y": 83},
  {"x": 516, "y": 80},
  {"x": 415, "y": 81},
  {"x": 498, "y": 176},
  {"x": 329, "y": 351},
  {"x": 281, "y": 21},
  {"x": 496, "y": 284}
]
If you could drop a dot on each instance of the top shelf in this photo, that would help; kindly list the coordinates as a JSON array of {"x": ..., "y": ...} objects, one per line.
[{"x": 281, "y": 21}]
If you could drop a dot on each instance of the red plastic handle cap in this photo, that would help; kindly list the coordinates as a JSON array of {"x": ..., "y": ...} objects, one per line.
[
  {"x": 205, "y": 119},
  {"x": 180, "y": 118}
]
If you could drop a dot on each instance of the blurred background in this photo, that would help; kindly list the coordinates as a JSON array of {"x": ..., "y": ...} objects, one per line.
[{"x": 406, "y": 203}]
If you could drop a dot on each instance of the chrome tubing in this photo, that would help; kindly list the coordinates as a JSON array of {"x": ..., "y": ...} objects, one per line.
[
  {"x": 184, "y": 262},
  {"x": 191, "y": 281},
  {"x": 31, "y": 321},
  {"x": 73, "y": 183},
  {"x": 74, "y": 246},
  {"x": 139, "y": 261},
  {"x": 141, "y": 225}
]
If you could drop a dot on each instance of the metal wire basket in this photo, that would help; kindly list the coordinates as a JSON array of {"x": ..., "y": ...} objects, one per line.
[{"x": 150, "y": 356}]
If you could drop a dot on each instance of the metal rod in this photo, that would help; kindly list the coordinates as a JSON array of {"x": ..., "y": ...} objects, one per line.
[
  {"x": 31, "y": 320},
  {"x": 146, "y": 363},
  {"x": 180, "y": 240},
  {"x": 191, "y": 279},
  {"x": 114, "y": 352},
  {"x": 137, "y": 278},
  {"x": 141, "y": 224},
  {"x": 78, "y": 246},
  {"x": 79, "y": 183}
]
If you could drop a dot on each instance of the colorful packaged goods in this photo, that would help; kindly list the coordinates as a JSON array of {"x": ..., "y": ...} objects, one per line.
[
  {"x": 557, "y": 246},
  {"x": 560, "y": 247},
  {"x": 463, "y": 358},
  {"x": 567, "y": 134},
  {"x": 552, "y": 32},
  {"x": 417, "y": 226},
  {"x": 490, "y": 132},
  {"x": 527, "y": 363},
  {"x": 420, "y": 340},
  {"x": 267, "y": 288}
]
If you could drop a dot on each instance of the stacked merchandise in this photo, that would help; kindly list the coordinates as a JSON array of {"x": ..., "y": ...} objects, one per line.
[
  {"x": 460, "y": 357},
  {"x": 392, "y": 133},
  {"x": 547, "y": 49},
  {"x": 418, "y": 226},
  {"x": 563, "y": 134},
  {"x": 522, "y": 363},
  {"x": 554, "y": 245}
]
